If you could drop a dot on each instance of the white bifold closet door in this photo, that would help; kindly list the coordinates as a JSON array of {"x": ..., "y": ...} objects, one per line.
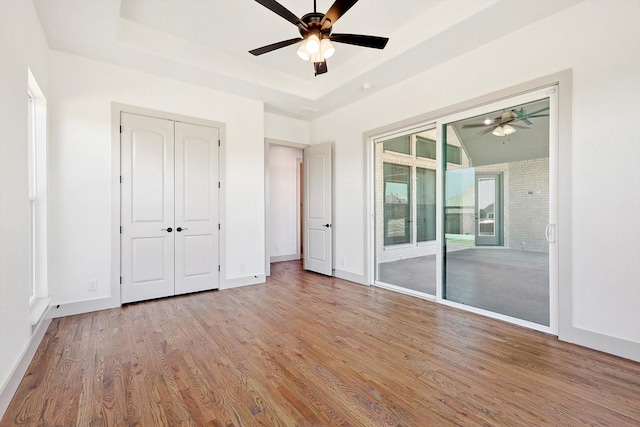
[{"x": 169, "y": 208}]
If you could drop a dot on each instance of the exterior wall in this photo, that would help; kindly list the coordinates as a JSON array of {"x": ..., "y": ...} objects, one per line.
[{"x": 528, "y": 206}]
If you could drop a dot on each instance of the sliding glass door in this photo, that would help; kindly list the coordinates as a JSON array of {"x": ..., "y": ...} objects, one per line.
[
  {"x": 466, "y": 208},
  {"x": 498, "y": 255}
]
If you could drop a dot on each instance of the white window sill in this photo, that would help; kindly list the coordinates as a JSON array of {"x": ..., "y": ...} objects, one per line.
[{"x": 38, "y": 308}]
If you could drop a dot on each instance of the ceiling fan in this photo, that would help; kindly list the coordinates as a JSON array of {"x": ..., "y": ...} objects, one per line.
[
  {"x": 315, "y": 30},
  {"x": 504, "y": 125}
]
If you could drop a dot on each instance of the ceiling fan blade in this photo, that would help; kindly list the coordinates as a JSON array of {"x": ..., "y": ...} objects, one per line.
[
  {"x": 320, "y": 67},
  {"x": 337, "y": 9},
  {"x": 360, "y": 40},
  {"x": 486, "y": 131},
  {"x": 536, "y": 112},
  {"x": 538, "y": 115},
  {"x": 477, "y": 125},
  {"x": 279, "y": 9},
  {"x": 274, "y": 46}
]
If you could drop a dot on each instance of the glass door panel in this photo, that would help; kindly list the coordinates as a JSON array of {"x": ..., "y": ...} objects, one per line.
[
  {"x": 405, "y": 193},
  {"x": 496, "y": 208}
]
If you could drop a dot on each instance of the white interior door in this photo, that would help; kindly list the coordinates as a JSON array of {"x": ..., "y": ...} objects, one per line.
[
  {"x": 317, "y": 209},
  {"x": 196, "y": 208},
  {"x": 147, "y": 208}
]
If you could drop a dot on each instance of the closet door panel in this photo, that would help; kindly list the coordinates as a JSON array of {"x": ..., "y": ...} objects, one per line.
[
  {"x": 196, "y": 207},
  {"x": 147, "y": 207}
]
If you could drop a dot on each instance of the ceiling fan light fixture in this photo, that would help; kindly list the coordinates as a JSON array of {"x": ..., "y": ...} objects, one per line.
[
  {"x": 303, "y": 53},
  {"x": 505, "y": 130},
  {"x": 313, "y": 44},
  {"x": 508, "y": 130},
  {"x": 327, "y": 49}
]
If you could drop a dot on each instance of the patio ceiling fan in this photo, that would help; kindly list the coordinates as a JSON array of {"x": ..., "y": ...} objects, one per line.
[
  {"x": 316, "y": 33},
  {"x": 505, "y": 123}
]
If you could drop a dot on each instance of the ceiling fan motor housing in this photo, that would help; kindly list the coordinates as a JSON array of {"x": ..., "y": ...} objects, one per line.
[{"x": 313, "y": 23}]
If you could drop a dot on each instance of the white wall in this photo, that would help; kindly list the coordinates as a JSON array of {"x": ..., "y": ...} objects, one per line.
[
  {"x": 599, "y": 41},
  {"x": 286, "y": 130},
  {"x": 22, "y": 46},
  {"x": 283, "y": 209},
  {"x": 82, "y": 91}
]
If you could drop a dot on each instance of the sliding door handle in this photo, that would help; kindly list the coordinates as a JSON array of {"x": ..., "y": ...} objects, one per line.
[{"x": 550, "y": 233}]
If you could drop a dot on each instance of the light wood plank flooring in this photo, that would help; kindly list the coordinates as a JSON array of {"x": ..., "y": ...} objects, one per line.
[{"x": 309, "y": 350}]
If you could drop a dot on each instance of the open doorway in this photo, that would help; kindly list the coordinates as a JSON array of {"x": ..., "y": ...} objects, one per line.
[{"x": 285, "y": 202}]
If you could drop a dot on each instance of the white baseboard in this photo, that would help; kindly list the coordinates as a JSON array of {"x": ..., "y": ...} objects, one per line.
[
  {"x": 242, "y": 281},
  {"x": 20, "y": 369},
  {"x": 70, "y": 309},
  {"x": 352, "y": 277},
  {"x": 605, "y": 343},
  {"x": 282, "y": 258}
]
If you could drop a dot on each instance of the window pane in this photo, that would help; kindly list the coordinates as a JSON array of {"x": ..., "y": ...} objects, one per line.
[
  {"x": 426, "y": 204},
  {"x": 453, "y": 154},
  {"x": 397, "y": 204},
  {"x": 426, "y": 148},
  {"x": 401, "y": 144}
]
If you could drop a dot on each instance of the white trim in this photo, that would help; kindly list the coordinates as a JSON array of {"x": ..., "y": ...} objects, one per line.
[
  {"x": 19, "y": 370},
  {"x": 494, "y": 315},
  {"x": 282, "y": 258},
  {"x": 608, "y": 344},
  {"x": 299, "y": 189},
  {"x": 405, "y": 291},
  {"x": 80, "y": 307},
  {"x": 351, "y": 277},
  {"x": 37, "y": 310},
  {"x": 242, "y": 281},
  {"x": 267, "y": 208},
  {"x": 282, "y": 142}
]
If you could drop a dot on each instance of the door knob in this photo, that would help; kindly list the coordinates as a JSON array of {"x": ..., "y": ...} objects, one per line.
[
  {"x": 168, "y": 230},
  {"x": 327, "y": 225},
  {"x": 179, "y": 229}
]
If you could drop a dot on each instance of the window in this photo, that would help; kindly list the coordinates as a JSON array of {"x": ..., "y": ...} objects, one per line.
[
  {"x": 401, "y": 144},
  {"x": 397, "y": 204},
  {"x": 32, "y": 170},
  {"x": 408, "y": 188},
  {"x": 426, "y": 204},
  {"x": 425, "y": 148},
  {"x": 453, "y": 154},
  {"x": 37, "y": 173}
]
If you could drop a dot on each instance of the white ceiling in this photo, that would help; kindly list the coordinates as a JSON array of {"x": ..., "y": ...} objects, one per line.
[{"x": 206, "y": 42}]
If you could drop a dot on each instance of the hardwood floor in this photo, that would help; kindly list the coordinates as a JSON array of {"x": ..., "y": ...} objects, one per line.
[{"x": 310, "y": 350}]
